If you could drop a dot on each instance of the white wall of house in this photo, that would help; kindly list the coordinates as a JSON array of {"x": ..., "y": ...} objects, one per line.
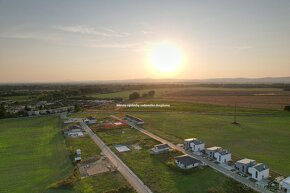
[
  {"x": 199, "y": 147},
  {"x": 179, "y": 164},
  {"x": 222, "y": 158},
  {"x": 255, "y": 174}
]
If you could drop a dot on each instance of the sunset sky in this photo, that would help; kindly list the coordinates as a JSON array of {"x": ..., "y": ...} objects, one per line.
[{"x": 73, "y": 40}]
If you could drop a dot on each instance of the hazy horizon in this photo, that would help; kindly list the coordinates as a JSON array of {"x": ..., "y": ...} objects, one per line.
[{"x": 57, "y": 41}]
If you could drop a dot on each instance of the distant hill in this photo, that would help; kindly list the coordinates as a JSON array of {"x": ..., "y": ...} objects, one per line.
[{"x": 264, "y": 80}]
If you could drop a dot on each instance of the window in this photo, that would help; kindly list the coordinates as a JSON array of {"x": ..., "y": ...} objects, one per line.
[{"x": 256, "y": 174}]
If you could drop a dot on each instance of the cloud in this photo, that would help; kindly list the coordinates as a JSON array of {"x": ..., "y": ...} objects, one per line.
[
  {"x": 88, "y": 30},
  {"x": 114, "y": 45},
  {"x": 28, "y": 36}
]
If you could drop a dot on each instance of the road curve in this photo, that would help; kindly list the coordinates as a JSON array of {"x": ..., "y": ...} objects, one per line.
[
  {"x": 135, "y": 182},
  {"x": 224, "y": 171}
]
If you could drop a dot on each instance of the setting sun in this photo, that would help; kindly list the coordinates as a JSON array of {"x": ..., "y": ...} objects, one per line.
[{"x": 165, "y": 57}]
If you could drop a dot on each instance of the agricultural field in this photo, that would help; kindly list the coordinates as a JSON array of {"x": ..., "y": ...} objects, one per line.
[
  {"x": 159, "y": 171},
  {"x": 33, "y": 154},
  {"x": 264, "y": 138},
  {"x": 268, "y": 98}
]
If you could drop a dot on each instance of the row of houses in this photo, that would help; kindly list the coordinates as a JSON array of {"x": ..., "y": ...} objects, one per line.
[
  {"x": 257, "y": 171},
  {"x": 68, "y": 109}
]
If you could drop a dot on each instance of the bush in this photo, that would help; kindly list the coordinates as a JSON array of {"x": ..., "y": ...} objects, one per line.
[{"x": 287, "y": 108}]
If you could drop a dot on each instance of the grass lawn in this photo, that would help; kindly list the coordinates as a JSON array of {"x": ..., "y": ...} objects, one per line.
[
  {"x": 33, "y": 154},
  {"x": 265, "y": 139},
  {"x": 87, "y": 146},
  {"x": 156, "y": 173}
]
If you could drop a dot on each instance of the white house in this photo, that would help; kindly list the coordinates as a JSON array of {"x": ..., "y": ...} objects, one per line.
[
  {"x": 91, "y": 120},
  {"x": 211, "y": 150},
  {"x": 160, "y": 148},
  {"x": 285, "y": 185},
  {"x": 243, "y": 165},
  {"x": 187, "y": 142},
  {"x": 259, "y": 171},
  {"x": 186, "y": 162},
  {"x": 223, "y": 156},
  {"x": 197, "y": 145}
]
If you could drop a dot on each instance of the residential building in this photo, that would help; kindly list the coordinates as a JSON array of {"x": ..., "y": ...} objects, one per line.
[
  {"x": 186, "y": 162},
  {"x": 285, "y": 185},
  {"x": 211, "y": 150},
  {"x": 223, "y": 156},
  {"x": 90, "y": 120},
  {"x": 197, "y": 145},
  {"x": 187, "y": 142},
  {"x": 160, "y": 148},
  {"x": 244, "y": 164},
  {"x": 259, "y": 171}
]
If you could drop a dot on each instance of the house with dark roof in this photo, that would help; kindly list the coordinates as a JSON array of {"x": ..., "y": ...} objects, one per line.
[
  {"x": 160, "y": 148},
  {"x": 223, "y": 156},
  {"x": 259, "y": 171},
  {"x": 186, "y": 162},
  {"x": 243, "y": 165}
]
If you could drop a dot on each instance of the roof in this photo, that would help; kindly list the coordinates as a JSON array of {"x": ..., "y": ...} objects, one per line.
[
  {"x": 223, "y": 152},
  {"x": 197, "y": 142},
  {"x": 286, "y": 180},
  {"x": 161, "y": 146},
  {"x": 190, "y": 139},
  {"x": 74, "y": 127},
  {"x": 260, "y": 167},
  {"x": 186, "y": 160},
  {"x": 245, "y": 161},
  {"x": 214, "y": 148},
  {"x": 91, "y": 118}
]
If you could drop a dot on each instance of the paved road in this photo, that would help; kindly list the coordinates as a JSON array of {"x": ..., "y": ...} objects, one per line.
[
  {"x": 204, "y": 160},
  {"x": 135, "y": 182}
]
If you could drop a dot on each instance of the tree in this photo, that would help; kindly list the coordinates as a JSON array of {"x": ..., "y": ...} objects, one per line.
[
  {"x": 151, "y": 93},
  {"x": 287, "y": 108},
  {"x": 134, "y": 95},
  {"x": 144, "y": 95}
]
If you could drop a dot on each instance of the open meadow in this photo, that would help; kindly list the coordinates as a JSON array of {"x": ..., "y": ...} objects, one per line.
[{"x": 33, "y": 154}]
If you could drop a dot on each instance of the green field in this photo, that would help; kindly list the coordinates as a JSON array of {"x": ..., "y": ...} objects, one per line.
[
  {"x": 264, "y": 138},
  {"x": 158, "y": 171},
  {"x": 159, "y": 92},
  {"x": 88, "y": 147},
  {"x": 33, "y": 154}
]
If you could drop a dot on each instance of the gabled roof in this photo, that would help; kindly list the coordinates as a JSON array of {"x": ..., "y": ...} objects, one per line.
[
  {"x": 260, "y": 167},
  {"x": 74, "y": 127},
  {"x": 186, "y": 160},
  {"x": 161, "y": 146}
]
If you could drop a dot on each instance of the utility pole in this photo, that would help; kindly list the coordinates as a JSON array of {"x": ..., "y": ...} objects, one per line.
[{"x": 235, "y": 115}]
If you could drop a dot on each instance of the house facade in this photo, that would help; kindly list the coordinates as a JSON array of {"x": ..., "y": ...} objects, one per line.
[
  {"x": 244, "y": 164},
  {"x": 160, "y": 148},
  {"x": 187, "y": 142},
  {"x": 90, "y": 120},
  {"x": 223, "y": 156},
  {"x": 284, "y": 185},
  {"x": 211, "y": 150},
  {"x": 197, "y": 145},
  {"x": 259, "y": 171},
  {"x": 186, "y": 162}
]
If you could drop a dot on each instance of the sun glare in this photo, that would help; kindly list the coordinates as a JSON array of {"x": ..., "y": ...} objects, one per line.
[{"x": 165, "y": 58}]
